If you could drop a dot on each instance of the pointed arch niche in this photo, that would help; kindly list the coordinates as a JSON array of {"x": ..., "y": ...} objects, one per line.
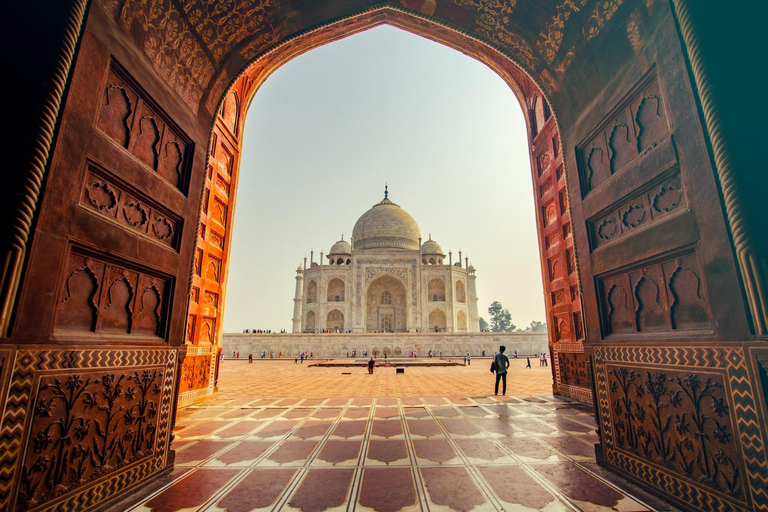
[{"x": 546, "y": 157}]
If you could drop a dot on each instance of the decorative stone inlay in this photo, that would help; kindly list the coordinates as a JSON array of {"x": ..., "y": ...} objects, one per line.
[{"x": 371, "y": 273}]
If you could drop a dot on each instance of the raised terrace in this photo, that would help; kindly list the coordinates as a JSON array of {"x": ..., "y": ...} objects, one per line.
[{"x": 335, "y": 345}]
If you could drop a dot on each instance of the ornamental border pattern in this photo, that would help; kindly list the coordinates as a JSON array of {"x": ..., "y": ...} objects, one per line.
[
  {"x": 29, "y": 364},
  {"x": 374, "y": 272},
  {"x": 730, "y": 362}
]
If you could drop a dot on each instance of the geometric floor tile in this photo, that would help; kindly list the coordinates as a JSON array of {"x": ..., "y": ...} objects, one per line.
[{"x": 427, "y": 453}]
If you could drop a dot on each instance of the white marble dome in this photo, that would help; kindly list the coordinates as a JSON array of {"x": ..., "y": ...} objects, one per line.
[{"x": 386, "y": 226}]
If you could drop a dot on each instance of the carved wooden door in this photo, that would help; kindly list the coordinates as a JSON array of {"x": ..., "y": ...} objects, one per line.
[
  {"x": 92, "y": 363},
  {"x": 663, "y": 304}
]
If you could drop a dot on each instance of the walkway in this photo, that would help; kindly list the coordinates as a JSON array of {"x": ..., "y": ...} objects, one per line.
[{"x": 427, "y": 453}]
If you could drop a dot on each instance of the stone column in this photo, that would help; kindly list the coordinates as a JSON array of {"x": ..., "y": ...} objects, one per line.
[{"x": 298, "y": 301}]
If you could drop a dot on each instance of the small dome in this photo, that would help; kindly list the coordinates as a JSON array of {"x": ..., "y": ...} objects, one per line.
[
  {"x": 471, "y": 269},
  {"x": 431, "y": 247},
  {"x": 386, "y": 226},
  {"x": 340, "y": 247}
]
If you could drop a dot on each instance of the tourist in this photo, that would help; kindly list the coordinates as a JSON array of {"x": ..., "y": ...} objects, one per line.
[
  {"x": 528, "y": 358},
  {"x": 544, "y": 358},
  {"x": 469, "y": 360},
  {"x": 515, "y": 354},
  {"x": 370, "y": 366},
  {"x": 302, "y": 358},
  {"x": 234, "y": 354},
  {"x": 296, "y": 360},
  {"x": 250, "y": 358},
  {"x": 502, "y": 363}
]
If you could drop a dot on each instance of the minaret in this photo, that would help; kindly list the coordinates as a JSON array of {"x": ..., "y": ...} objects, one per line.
[
  {"x": 298, "y": 300},
  {"x": 474, "y": 314}
]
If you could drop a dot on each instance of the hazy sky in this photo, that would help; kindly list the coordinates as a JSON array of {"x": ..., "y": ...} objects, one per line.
[{"x": 329, "y": 128}]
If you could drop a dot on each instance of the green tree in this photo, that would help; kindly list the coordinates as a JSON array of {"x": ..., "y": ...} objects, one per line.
[
  {"x": 537, "y": 326},
  {"x": 483, "y": 324},
  {"x": 501, "y": 319}
]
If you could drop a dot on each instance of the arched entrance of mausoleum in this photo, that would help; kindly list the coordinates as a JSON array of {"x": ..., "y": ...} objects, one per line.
[
  {"x": 386, "y": 307},
  {"x": 97, "y": 252}
]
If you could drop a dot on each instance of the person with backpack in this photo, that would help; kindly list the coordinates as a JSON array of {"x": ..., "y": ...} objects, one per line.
[{"x": 500, "y": 365}]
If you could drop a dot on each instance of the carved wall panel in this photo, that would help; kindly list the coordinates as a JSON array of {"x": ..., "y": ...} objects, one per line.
[
  {"x": 636, "y": 125},
  {"x": 682, "y": 419},
  {"x": 640, "y": 211},
  {"x": 195, "y": 373},
  {"x": 108, "y": 196},
  {"x": 99, "y": 422},
  {"x": 134, "y": 121},
  {"x": 198, "y": 373},
  {"x": 100, "y": 296},
  {"x": 573, "y": 369},
  {"x": 667, "y": 295},
  {"x": 558, "y": 254}
]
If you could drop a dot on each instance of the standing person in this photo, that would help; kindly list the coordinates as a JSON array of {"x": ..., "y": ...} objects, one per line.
[
  {"x": 370, "y": 366},
  {"x": 250, "y": 358},
  {"x": 528, "y": 358},
  {"x": 544, "y": 359},
  {"x": 302, "y": 358},
  {"x": 295, "y": 359},
  {"x": 502, "y": 363},
  {"x": 469, "y": 360}
]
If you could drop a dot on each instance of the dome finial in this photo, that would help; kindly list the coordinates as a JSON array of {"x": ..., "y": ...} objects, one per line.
[
  {"x": 342, "y": 236},
  {"x": 430, "y": 236},
  {"x": 386, "y": 191}
]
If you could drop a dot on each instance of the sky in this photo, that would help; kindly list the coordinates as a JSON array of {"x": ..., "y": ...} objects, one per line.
[{"x": 328, "y": 129}]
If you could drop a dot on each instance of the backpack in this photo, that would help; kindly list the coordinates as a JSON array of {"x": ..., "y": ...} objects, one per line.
[{"x": 493, "y": 365}]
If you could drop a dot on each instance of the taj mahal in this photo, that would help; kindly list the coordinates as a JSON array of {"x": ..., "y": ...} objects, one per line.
[{"x": 384, "y": 280}]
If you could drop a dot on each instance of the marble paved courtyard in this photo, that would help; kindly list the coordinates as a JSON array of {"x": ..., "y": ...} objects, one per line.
[{"x": 281, "y": 436}]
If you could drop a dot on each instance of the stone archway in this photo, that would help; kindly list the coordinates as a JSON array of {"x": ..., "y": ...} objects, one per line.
[
  {"x": 127, "y": 168},
  {"x": 386, "y": 306},
  {"x": 437, "y": 321},
  {"x": 335, "y": 321},
  {"x": 436, "y": 290},
  {"x": 309, "y": 323},
  {"x": 335, "y": 290}
]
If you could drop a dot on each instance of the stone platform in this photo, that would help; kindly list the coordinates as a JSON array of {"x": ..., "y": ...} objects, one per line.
[{"x": 337, "y": 345}]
